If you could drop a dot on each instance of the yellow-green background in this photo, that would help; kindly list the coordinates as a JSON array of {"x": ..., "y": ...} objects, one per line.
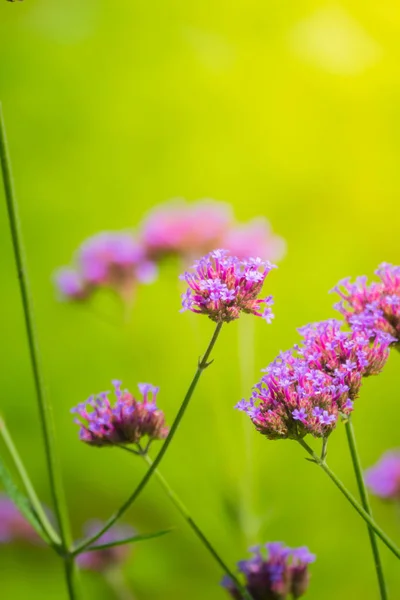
[{"x": 284, "y": 109}]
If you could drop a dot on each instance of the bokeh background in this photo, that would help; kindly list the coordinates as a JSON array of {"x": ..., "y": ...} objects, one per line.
[{"x": 284, "y": 109}]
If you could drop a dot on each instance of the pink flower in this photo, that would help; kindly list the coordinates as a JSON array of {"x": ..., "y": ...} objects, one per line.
[
  {"x": 383, "y": 478},
  {"x": 106, "y": 558},
  {"x": 185, "y": 229},
  {"x": 13, "y": 526},
  {"x": 108, "y": 259},
  {"x": 254, "y": 238}
]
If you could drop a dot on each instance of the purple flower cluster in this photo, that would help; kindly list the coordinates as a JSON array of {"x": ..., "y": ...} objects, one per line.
[
  {"x": 307, "y": 388},
  {"x": 110, "y": 259},
  {"x": 13, "y": 525},
  {"x": 383, "y": 479},
  {"x": 274, "y": 574},
  {"x": 189, "y": 230},
  {"x": 373, "y": 307},
  {"x": 105, "y": 558},
  {"x": 126, "y": 422},
  {"x": 222, "y": 286}
]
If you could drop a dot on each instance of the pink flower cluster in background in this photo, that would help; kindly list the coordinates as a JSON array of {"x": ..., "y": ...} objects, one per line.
[
  {"x": 13, "y": 525},
  {"x": 122, "y": 260},
  {"x": 383, "y": 478}
]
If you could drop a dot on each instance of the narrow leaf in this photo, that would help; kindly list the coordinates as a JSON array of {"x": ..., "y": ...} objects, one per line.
[
  {"x": 21, "y": 502},
  {"x": 129, "y": 540}
]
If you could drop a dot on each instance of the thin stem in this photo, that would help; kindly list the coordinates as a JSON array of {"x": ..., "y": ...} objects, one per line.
[
  {"x": 45, "y": 410},
  {"x": 202, "y": 365},
  {"x": 366, "y": 505},
  {"x": 72, "y": 577},
  {"x": 363, "y": 513},
  {"x": 186, "y": 515},
  {"x": 34, "y": 500}
]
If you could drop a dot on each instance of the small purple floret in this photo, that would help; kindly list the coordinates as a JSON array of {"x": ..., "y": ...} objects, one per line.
[{"x": 383, "y": 478}]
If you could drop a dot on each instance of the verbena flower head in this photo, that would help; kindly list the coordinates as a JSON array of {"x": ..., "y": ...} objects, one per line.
[
  {"x": 13, "y": 525},
  {"x": 306, "y": 389},
  {"x": 108, "y": 259},
  {"x": 106, "y": 558},
  {"x": 254, "y": 238},
  {"x": 373, "y": 307},
  {"x": 222, "y": 286},
  {"x": 185, "y": 229},
  {"x": 383, "y": 479},
  {"x": 274, "y": 572},
  {"x": 126, "y": 421},
  {"x": 347, "y": 356}
]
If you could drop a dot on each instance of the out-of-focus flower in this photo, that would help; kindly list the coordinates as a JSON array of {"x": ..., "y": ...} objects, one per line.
[
  {"x": 375, "y": 307},
  {"x": 222, "y": 286},
  {"x": 254, "y": 238},
  {"x": 106, "y": 558},
  {"x": 383, "y": 479},
  {"x": 306, "y": 389},
  {"x": 127, "y": 421},
  {"x": 274, "y": 574},
  {"x": 186, "y": 229},
  {"x": 13, "y": 525},
  {"x": 70, "y": 284},
  {"x": 108, "y": 259}
]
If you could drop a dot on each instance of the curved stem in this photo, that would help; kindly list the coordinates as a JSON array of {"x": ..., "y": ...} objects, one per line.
[
  {"x": 203, "y": 364},
  {"x": 45, "y": 411},
  {"x": 363, "y": 513},
  {"x": 366, "y": 505},
  {"x": 186, "y": 515},
  {"x": 34, "y": 500}
]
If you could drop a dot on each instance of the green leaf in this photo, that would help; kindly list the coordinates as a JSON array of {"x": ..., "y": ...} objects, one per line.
[
  {"x": 133, "y": 539},
  {"x": 20, "y": 501}
]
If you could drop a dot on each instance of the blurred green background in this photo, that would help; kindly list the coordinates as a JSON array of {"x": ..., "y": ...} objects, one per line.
[{"x": 284, "y": 109}]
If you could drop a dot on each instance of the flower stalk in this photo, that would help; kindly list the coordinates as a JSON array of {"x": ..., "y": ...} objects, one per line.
[
  {"x": 361, "y": 511},
  {"x": 202, "y": 365},
  {"x": 186, "y": 515},
  {"x": 366, "y": 505},
  {"x": 45, "y": 410}
]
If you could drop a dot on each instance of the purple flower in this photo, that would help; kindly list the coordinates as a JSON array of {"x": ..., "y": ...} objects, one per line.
[
  {"x": 13, "y": 525},
  {"x": 222, "y": 286},
  {"x": 373, "y": 308},
  {"x": 70, "y": 284},
  {"x": 108, "y": 259},
  {"x": 292, "y": 399},
  {"x": 383, "y": 478},
  {"x": 185, "y": 229},
  {"x": 106, "y": 558},
  {"x": 127, "y": 421},
  {"x": 273, "y": 572}
]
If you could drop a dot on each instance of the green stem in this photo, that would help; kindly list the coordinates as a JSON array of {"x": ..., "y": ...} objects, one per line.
[
  {"x": 366, "y": 505},
  {"x": 203, "y": 364},
  {"x": 363, "y": 513},
  {"x": 34, "y": 500},
  {"x": 186, "y": 515},
  {"x": 45, "y": 411}
]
